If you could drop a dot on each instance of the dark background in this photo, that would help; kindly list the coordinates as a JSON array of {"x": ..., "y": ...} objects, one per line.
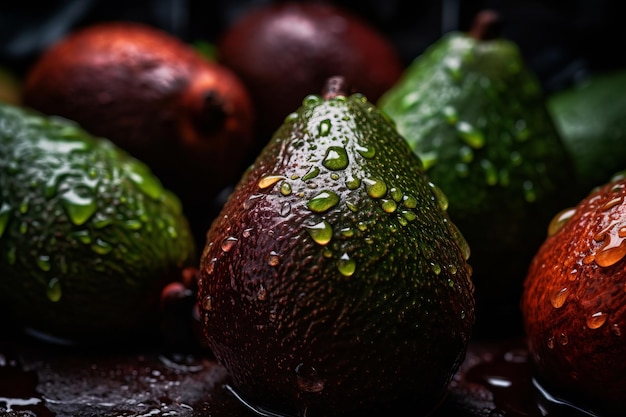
[{"x": 561, "y": 40}]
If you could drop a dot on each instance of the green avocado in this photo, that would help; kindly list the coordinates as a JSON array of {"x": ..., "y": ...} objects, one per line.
[
  {"x": 333, "y": 280},
  {"x": 590, "y": 119},
  {"x": 88, "y": 236},
  {"x": 476, "y": 115}
]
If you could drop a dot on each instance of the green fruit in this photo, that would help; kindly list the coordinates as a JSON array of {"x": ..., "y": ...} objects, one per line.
[
  {"x": 476, "y": 116},
  {"x": 333, "y": 280},
  {"x": 590, "y": 118},
  {"x": 88, "y": 236}
]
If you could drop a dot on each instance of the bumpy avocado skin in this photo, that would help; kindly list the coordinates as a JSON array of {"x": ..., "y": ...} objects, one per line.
[
  {"x": 88, "y": 236},
  {"x": 333, "y": 280},
  {"x": 477, "y": 116}
]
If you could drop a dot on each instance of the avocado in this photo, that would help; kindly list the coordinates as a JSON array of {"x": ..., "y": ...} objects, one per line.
[
  {"x": 476, "y": 115},
  {"x": 88, "y": 235},
  {"x": 333, "y": 280},
  {"x": 590, "y": 118}
]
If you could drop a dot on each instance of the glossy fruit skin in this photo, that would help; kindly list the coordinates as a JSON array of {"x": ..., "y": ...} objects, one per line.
[
  {"x": 574, "y": 303},
  {"x": 285, "y": 50},
  {"x": 476, "y": 115},
  {"x": 377, "y": 312},
  {"x": 155, "y": 97},
  {"x": 88, "y": 236}
]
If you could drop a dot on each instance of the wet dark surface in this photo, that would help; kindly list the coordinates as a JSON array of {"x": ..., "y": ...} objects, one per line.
[{"x": 40, "y": 379}]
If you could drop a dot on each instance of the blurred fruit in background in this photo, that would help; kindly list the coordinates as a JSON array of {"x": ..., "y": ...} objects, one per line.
[
  {"x": 189, "y": 119},
  {"x": 283, "y": 51}
]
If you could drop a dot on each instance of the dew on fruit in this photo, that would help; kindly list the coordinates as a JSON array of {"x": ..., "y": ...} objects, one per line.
[
  {"x": 311, "y": 100},
  {"x": 409, "y": 201},
  {"x": 375, "y": 188},
  {"x": 285, "y": 209},
  {"x": 352, "y": 182},
  {"x": 396, "y": 194},
  {"x": 347, "y": 232},
  {"x": 596, "y": 320},
  {"x": 321, "y": 232},
  {"x": 251, "y": 201},
  {"x": 470, "y": 135},
  {"x": 43, "y": 262},
  {"x": 613, "y": 247},
  {"x": 54, "y": 292},
  {"x": 324, "y": 127},
  {"x": 558, "y": 298},
  {"x": 5, "y": 213},
  {"x": 273, "y": 259},
  {"x": 307, "y": 379},
  {"x": 101, "y": 247},
  {"x": 366, "y": 152},
  {"x": 312, "y": 173},
  {"x": 285, "y": 188},
  {"x": 323, "y": 201},
  {"x": 389, "y": 206},
  {"x": 78, "y": 208},
  {"x": 207, "y": 303},
  {"x": 612, "y": 203},
  {"x": 436, "y": 268},
  {"x": 270, "y": 180},
  {"x": 336, "y": 158},
  {"x": 442, "y": 199},
  {"x": 228, "y": 243},
  {"x": 261, "y": 293},
  {"x": 346, "y": 265},
  {"x": 211, "y": 266},
  {"x": 560, "y": 220}
]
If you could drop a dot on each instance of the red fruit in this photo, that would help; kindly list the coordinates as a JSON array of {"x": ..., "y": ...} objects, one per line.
[
  {"x": 574, "y": 301},
  {"x": 285, "y": 50},
  {"x": 189, "y": 119}
]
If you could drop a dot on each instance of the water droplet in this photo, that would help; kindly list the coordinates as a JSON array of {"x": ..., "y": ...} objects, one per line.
[
  {"x": 5, "y": 213},
  {"x": 285, "y": 188},
  {"x": 285, "y": 209},
  {"x": 101, "y": 247},
  {"x": 228, "y": 243},
  {"x": 460, "y": 240},
  {"x": 246, "y": 232},
  {"x": 559, "y": 298},
  {"x": 312, "y": 173},
  {"x": 273, "y": 259},
  {"x": 560, "y": 220},
  {"x": 324, "y": 127},
  {"x": 563, "y": 339},
  {"x": 596, "y": 320},
  {"x": 551, "y": 342},
  {"x": 613, "y": 248},
  {"x": 270, "y": 180},
  {"x": 347, "y": 232},
  {"x": 616, "y": 330},
  {"x": 375, "y": 188},
  {"x": 450, "y": 115},
  {"x": 261, "y": 293},
  {"x": 396, "y": 194},
  {"x": 321, "y": 232},
  {"x": 409, "y": 215},
  {"x": 307, "y": 379},
  {"x": 336, "y": 158},
  {"x": 612, "y": 203},
  {"x": 352, "y": 183},
  {"x": 368, "y": 153},
  {"x": 470, "y": 135},
  {"x": 442, "y": 199},
  {"x": 43, "y": 262},
  {"x": 351, "y": 206},
  {"x": 436, "y": 268},
  {"x": 409, "y": 201},
  {"x": 346, "y": 265},
  {"x": 53, "y": 291},
  {"x": 389, "y": 206},
  {"x": 78, "y": 207},
  {"x": 311, "y": 100},
  {"x": 207, "y": 303},
  {"x": 251, "y": 201},
  {"x": 146, "y": 181},
  {"x": 323, "y": 201}
]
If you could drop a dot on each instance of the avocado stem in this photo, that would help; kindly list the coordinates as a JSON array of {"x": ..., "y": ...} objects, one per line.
[{"x": 487, "y": 25}]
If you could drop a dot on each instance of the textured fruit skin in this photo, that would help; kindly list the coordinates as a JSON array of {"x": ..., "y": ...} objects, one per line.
[
  {"x": 151, "y": 94},
  {"x": 574, "y": 303},
  {"x": 88, "y": 236},
  {"x": 379, "y": 310},
  {"x": 285, "y": 50},
  {"x": 477, "y": 117}
]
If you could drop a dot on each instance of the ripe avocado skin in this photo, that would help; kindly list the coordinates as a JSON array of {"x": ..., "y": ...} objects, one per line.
[
  {"x": 477, "y": 116},
  {"x": 88, "y": 236},
  {"x": 295, "y": 326}
]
